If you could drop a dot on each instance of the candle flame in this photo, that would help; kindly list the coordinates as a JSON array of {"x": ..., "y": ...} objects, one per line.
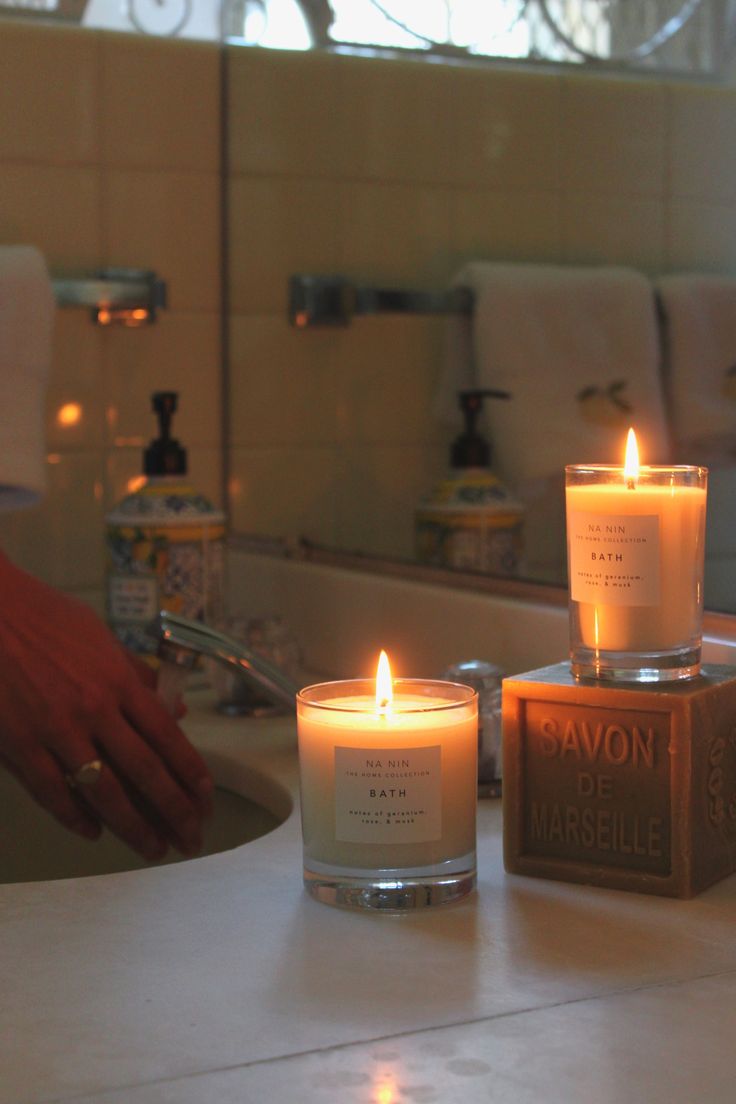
[
  {"x": 384, "y": 685},
  {"x": 631, "y": 462}
]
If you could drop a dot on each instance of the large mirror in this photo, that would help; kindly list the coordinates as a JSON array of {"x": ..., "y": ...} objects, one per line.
[
  {"x": 414, "y": 172},
  {"x": 529, "y": 393}
]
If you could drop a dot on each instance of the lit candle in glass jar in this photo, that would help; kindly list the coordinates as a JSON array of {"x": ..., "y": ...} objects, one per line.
[
  {"x": 636, "y": 544},
  {"x": 388, "y": 790}
]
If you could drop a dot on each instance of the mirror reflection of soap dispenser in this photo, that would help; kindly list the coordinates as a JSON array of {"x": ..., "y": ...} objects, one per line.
[
  {"x": 165, "y": 543},
  {"x": 471, "y": 521}
]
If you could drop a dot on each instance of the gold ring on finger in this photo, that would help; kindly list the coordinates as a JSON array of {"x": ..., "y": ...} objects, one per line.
[{"x": 86, "y": 775}]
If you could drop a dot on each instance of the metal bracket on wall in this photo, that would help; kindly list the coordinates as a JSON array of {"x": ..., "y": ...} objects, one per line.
[
  {"x": 334, "y": 300},
  {"x": 117, "y": 296}
]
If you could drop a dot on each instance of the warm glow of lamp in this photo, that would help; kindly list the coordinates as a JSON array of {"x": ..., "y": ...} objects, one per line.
[
  {"x": 135, "y": 483},
  {"x": 70, "y": 414},
  {"x": 385, "y": 1093},
  {"x": 631, "y": 461},
  {"x": 384, "y": 685},
  {"x": 125, "y": 316}
]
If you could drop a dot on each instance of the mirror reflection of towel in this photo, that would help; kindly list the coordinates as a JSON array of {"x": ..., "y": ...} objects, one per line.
[
  {"x": 700, "y": 366},
  {"x": 26, "y": 322},
  {"x": 699, "y": 317},
  {"x": 578, "y": 349}
]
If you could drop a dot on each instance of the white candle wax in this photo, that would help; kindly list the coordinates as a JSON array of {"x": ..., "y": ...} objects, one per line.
[
  {"x": 635, "y": 557},
  {"x": 392, "y": 788}
]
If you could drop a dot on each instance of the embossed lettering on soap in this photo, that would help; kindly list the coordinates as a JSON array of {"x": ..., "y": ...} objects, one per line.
[{"x": 597, "y": 786}]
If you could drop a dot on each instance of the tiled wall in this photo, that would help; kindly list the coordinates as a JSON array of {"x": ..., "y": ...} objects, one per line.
[
  {"x": 388, "y": 172},
  {"x": 396, "y": 173},
  {"x": 110, "y": 155}
]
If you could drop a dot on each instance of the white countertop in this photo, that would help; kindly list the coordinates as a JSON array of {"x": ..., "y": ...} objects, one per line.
[{"x": 220, "y": 980}]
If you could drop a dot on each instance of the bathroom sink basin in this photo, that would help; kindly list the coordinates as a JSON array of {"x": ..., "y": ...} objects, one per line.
[{"x": 33, "y": 847}]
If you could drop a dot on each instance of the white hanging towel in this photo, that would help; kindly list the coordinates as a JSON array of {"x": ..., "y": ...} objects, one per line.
[
  {"x": 578, "y": 350},
  {"x": 26, "y": 324},
  {"x": 700, "y": 367}
]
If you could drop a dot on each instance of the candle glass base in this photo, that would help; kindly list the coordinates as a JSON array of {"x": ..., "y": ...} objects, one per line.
[
  {"x": 388, "y": 793},
  {"x": 652, "y": 666},
  {"x": 392, "y": 890},
  {"x": 636, "y": 547}
]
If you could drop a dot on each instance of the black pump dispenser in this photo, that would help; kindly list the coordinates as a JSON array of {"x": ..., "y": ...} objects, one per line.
[
  {"x": 470, "y": 449},
  {"x": 164, "y": 455}
]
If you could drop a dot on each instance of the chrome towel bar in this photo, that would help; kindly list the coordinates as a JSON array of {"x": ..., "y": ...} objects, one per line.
[
  {"x": 127, "y": 295},
  {"x": 334, "y": 300}
]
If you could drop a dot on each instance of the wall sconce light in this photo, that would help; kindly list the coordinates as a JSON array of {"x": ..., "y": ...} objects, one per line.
[
  {"x": 117, "y": 296},
  {"x": 105, "y": 315}
]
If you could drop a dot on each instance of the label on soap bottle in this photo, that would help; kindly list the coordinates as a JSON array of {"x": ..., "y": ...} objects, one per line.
[
  {"x": 388, "y": 795},
  {"x": 614, "y": 559}
]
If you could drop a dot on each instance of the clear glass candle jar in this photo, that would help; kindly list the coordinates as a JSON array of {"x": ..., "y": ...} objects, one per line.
[
  {"x": 636, "y": 550},
  {"x": 388, "y": 795}
]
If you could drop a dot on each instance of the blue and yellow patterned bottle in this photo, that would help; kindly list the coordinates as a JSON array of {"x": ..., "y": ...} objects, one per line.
[
  {"x": 165, "y": 544},
  {"x": 471, "y": 522}
]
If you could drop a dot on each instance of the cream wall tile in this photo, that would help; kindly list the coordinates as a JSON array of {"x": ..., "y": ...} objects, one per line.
[
  {"x": 61, "y": 540},
  {"x": 400, "y": 121},
  {"x": 160, "y": 105},
  {"x": 276, "y": 228},
  {"x": 286, "y": 112},
  {"x": 51, "y": 195},
  {"x": 283, "y": 383},
  {"x": 123, "y": 468},
  {"x": 379, "y": 487},
  {"x": 180, "y": 352},
  {"x": 613, "y": 136},
  {"x": 49, "y": 94},
  {"x": 510, "y": 226},
  {"x": 286, "y": 493},
  {"x": 56, "y": 209},
  {"x": 701, "y": 236},
  {"x": 624, "y": 230},
  {"x": 206, "y": 473},
  {"x": 123, "y": 473},
  {"x": 168, "y": 222},
  {"x": 75, "y": 402},
  {"x": 395, "y": 232},
  {"x": 703, "y": 142},
  {"x": 387, "y": 387},
  {"x": 508, "y": 129}
]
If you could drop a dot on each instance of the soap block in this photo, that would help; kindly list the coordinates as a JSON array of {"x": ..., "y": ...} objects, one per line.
[{"x": 629, "y": 786}]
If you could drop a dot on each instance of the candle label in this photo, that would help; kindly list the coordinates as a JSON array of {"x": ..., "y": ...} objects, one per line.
[
  {"x": 614, "y": 559},
  {"x": 388, "y": 795}
]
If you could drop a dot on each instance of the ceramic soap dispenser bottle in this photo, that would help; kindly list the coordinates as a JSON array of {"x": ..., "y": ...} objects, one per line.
[
  {"x": 471, "y": 521},
  {"x": 165, "y": 543}
]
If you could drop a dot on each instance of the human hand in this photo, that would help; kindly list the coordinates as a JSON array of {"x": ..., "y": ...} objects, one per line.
[{"x": 71, "y": 695}]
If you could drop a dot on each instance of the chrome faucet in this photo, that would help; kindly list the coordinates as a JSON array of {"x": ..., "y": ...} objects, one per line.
[{"x": 181, "y": 641}]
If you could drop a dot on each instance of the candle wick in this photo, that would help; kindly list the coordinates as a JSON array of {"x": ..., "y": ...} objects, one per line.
[
  {"x": 631, "y": 483},
  {"x": 383, "y": 703}
]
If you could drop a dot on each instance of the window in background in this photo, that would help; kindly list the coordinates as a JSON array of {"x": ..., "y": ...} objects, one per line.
[{"x": 686, "y": 36}]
